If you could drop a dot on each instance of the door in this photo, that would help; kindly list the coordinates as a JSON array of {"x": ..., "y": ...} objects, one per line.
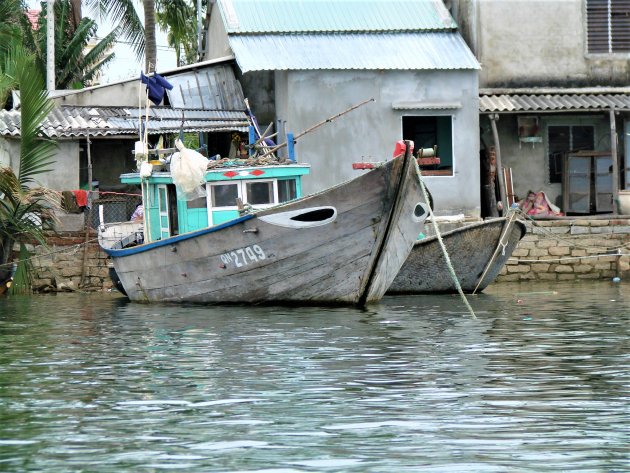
[{"x": 163, "y": 223}]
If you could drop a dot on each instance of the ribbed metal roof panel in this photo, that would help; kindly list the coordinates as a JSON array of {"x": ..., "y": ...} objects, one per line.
[
  {"x": 70, "y": 121},
  {"x": 293, "y": 16},
  {"x": 552, "y": 102},
  {"x": 396, "y": 51},
  {"x": 210, "y": 88}
]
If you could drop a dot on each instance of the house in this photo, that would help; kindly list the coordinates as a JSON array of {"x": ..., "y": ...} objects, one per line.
[
  {"x": 554, "y": 96},
  {"x": 99, "y": 126},
  {"x": 302, "y": 62}
]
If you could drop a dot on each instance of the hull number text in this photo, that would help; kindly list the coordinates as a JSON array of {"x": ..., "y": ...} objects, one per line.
[{"x": 243, "y": 256}]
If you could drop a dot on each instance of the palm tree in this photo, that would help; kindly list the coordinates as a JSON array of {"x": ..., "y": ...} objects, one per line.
[
  {"x": 73, "y": 66},
  {"x": 124, "y": 13},
  {"x": 177, "y": 17},
  {"x": 23, "y": 205}
]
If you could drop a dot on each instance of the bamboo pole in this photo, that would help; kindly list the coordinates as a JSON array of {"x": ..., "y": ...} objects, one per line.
[{"x": 495, "y": 134}]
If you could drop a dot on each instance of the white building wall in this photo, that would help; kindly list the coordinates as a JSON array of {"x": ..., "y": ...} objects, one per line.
[{"x": 370, "y": 132}]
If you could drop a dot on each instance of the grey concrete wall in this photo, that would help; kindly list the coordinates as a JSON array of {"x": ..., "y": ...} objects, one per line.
[
  {"x": 123, "y": 94},
  {"x": 529, "y": 162},
  {"x": 527, "y": 42},
  {"x": 304, "y": 98},
  {"x": 9, "y": 152},
  {"x": 65, "y": 170}
]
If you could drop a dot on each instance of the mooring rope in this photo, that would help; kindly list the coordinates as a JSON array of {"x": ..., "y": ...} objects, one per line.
[
  {"x": 71, "y": 249},
  {"x": 451, "y": 270},
  {"x": 500, "y": 244}
]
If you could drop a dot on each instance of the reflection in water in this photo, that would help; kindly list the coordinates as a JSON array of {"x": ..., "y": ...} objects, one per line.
[{"x": 539, "y": 382}]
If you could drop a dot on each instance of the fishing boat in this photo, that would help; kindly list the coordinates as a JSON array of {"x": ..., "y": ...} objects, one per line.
[
  {"x": 477, "y": 252},
  {"x": 253, "y": 239}
]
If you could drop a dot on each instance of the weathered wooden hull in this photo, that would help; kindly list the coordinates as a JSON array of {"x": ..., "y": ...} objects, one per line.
[
  {"x": 470, "y": 248},
  {"x": 350, "y": 257}
]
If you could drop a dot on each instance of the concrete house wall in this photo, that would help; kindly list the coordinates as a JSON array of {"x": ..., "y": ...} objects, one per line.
[
  {"x": 521, "y": 43},
  {"x": 304, "y": 98},
  {"x": 65, "y": 173},
  {"x": 528, "y": 44}
]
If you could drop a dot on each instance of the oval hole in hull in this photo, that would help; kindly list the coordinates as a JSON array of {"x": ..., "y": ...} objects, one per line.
[
  {"x": 302, "y": 218},
  {"x": 317, "y": 215}
]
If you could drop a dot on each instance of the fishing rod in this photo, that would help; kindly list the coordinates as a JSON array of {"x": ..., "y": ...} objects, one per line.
[{"x": 317, "y": 125}]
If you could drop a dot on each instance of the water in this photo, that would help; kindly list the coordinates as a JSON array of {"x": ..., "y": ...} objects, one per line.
[{"x": 539, "y": 382}]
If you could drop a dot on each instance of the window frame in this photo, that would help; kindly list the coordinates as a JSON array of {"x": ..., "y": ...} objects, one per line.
[
  {"x": 600, "y": 25},
  {"x": 437, "y": 116},
  {"x": 588, "y": 120}
]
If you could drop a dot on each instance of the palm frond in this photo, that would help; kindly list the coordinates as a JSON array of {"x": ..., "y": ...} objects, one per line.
[
  {"x": 128, "y": 20},
  {"x": 36, "y": 152}
]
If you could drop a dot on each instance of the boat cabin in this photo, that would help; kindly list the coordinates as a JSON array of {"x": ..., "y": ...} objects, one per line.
[{"x": 167, "y": 213}]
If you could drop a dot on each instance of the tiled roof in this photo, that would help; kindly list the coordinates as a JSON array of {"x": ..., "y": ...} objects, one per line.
[
  {"x": 73, "y": 121},
  {"x": 554, "y": 100},
  {"x": 33, "y": 17}
]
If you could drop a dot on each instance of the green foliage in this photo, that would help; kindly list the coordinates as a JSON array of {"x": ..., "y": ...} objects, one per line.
[
  {"x": 126, "y": 16},
  {"x": 22, "y": 280},
  {"x": 73, "y": 66},
  {"x": 178, "y": 17},
  {"x": 24, "y": 207}
]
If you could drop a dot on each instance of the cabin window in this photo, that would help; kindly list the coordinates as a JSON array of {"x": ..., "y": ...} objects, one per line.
[
  {"x": 260, "y": 193},
  {"x": 564, "y": 138},
  {"x": 199, "y": 203},
  {"x": 224, "y": 195},
  {"x": 429, "y": 132},
  {"x": 287, "y": 190},
  {"x": 607, "y": 25}
]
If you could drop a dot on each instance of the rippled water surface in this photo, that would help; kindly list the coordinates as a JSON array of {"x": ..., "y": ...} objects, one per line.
[{"x": 538, "y": 382}]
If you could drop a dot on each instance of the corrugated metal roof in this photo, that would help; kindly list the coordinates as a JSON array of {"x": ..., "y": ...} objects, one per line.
[
  {"x": 292, "y": 16},
  {"x": 209, "y": 88},
  {"x": 395, "y": 51},
  {"x": 71, "y": 121},
  {"x": 553, "y": 102}
]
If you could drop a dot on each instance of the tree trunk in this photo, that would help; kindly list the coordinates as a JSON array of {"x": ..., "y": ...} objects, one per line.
[{"x": 150, "y": 52}]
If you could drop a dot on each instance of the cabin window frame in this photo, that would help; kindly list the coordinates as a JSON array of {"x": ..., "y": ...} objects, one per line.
[{"x": 274, "y": 191}]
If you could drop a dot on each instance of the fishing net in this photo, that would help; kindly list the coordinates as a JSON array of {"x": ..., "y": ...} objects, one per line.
[{"x": 188, "y": 169}]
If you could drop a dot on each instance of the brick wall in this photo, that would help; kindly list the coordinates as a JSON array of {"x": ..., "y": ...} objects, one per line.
[{"x": 561, "y": 250}]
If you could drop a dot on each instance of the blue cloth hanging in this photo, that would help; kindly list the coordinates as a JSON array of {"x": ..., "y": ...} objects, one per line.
[{"x": 156, "y": 86}]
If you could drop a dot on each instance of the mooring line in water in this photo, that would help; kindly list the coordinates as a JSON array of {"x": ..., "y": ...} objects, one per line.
[
  {"x": 500, "y": 244},
  {"x": 451, "y": 270},
  {"x": 71, "y": 248}
]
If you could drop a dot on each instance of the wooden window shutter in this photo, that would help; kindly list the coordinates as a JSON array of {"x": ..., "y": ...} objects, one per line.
[
  {"x": 608, "y": 26},
  {"x": 597, "y": 15},
  {"x": 620, "y": 25}
]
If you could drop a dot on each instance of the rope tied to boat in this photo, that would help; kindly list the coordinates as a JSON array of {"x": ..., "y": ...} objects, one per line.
[
  {"x": 501, "y": 244},
  {"x": 447, "y": 258}
]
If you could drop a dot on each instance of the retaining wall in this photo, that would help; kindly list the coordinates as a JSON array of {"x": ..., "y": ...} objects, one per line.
[
  {"x": 69, "y": 263},
  {"x": 571, "y": 249},
  {"x": 552, "y": 250}
]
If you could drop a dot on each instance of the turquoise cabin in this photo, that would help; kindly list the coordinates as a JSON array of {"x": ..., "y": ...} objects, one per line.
[{"x": 166, "y": 214}]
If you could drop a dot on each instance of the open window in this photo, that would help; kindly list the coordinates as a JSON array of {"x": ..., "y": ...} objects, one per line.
[
  {"x": 563, "y": 139},
  {"x": 435, "y": 132}
]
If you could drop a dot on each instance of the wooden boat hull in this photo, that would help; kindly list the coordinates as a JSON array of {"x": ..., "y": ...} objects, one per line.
[
  {"x": 470, "y": 248},
  {"x": 344, "y": 245}
]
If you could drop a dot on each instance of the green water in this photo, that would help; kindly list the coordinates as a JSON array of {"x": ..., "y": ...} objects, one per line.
[{"x": 540, "y": 382}]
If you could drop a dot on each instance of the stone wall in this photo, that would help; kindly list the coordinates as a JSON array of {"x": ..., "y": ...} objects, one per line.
[
  {"x": 68, "y": 264},
  {"x": 571, "y": 249}
]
